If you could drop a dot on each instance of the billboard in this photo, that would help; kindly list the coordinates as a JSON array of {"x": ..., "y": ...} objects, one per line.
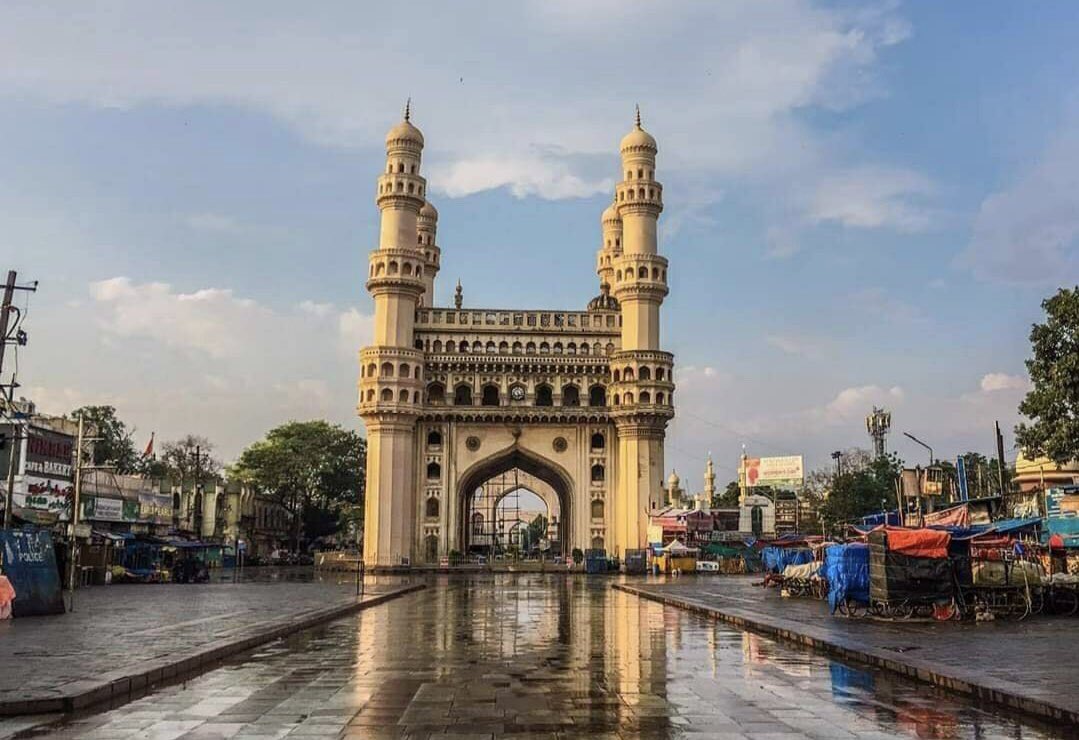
[{"x": 778, "y": 472}]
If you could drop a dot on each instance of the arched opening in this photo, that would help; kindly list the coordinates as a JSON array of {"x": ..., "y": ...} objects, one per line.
[
  {"x": 434, "y": 439},
  {"x": 597, "y": 543},
  {"x": 645, "y": 397},
  {"x": 434, "y": 471},
  {"x": 387, "y": 394},
  {"x": 387, "y": 369},
  {"x": 644, "y": 374},
  {"x": 430, "y": 548},
  {"x": 660, "y": 373},
  {"x": 490, "y": 395},
  {"x": 462, "y": 395},
  {"x": 571, "y": 395},
  {"x": 497, "y": 494},
  {"x": 436, "y": 395},
  {"x": 597, "y": 509},
  {"x": 544, "y": 396},
  {"x": 597, "y": 396},
  {"x": 430, "y": 510},
  {"x": 598, "y": 473},
  {"x": 598, "y": 441}
]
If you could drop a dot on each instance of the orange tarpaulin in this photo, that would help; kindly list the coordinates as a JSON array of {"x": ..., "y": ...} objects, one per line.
[
  {"x": 918, "y": 543},
  {"x": 958, "y": 516}
]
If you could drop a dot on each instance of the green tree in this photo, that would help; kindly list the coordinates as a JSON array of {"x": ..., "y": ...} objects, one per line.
[
  {"x": 728, "y": 497},
  {"x": 189, "y": 458},
  {"x": 862, "y": 492},
  {"x": 1052, "y": 404},
  {"x": 537, "y": 530},
  {"x": 113, "y": 444},
  {"x": 314, "y": 469}
]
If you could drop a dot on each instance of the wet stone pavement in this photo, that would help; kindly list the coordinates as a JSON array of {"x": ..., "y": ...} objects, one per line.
[
  {"x": 537, "y": 656},
  {"x": 126, "y": 626}
]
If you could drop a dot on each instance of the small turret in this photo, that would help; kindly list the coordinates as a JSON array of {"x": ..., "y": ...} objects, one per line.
[{"x": 458, "y": 295}]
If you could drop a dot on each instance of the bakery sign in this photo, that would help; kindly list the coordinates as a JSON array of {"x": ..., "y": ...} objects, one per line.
[{"x": 49, "y": 454}]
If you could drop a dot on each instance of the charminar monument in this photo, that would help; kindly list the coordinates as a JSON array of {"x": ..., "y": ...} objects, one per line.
[{"x": 569, "y": 404}]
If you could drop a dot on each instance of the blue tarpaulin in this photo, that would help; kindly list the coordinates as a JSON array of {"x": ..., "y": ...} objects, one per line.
[
  {"x": 875, "y": 520},
  {"x": 846, "y": 569},
  {"x": 777, "y": 558}
]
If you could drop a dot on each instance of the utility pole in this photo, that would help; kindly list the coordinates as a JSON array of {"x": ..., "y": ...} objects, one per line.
[
  {"x": 1000, "y": 459},
  {"x": 5, "y": 313},
  {"x": 200, "y": 504},
  {"x": 73, "y": 568},
  {"x": 7, "y": 391}
]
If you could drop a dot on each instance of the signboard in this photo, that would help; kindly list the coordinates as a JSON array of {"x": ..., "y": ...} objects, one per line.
[
  {"x": 49, "y": 454},
  {"x": 778, "y": 472},
  {"x": 30, "y": 564},
  {"x": 44, "y": 494},
  {"x": 100, "y": 509},
  {"x": 155, "y": 508}
]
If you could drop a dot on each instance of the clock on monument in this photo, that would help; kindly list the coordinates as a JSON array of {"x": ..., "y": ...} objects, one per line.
[{"x": 517, "y": 393}]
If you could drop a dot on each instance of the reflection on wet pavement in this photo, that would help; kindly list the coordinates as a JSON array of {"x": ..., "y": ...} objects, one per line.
[{"x": 536, "y": 655}]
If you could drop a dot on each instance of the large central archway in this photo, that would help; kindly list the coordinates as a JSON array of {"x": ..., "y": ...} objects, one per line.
[{"x": 505, "y": 461}]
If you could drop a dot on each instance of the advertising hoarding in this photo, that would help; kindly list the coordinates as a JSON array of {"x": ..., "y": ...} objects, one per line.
[{"x": 778, "y": 472}]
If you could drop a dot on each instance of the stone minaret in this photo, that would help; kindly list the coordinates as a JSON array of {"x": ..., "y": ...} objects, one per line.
[
  {"x": 612, "y": 244},
  {"x": 427, "y": 230},
  {"x": 709, "y": 482},
  {"x": 391, "y": 382},
  {"x": 640, "y": 370}
]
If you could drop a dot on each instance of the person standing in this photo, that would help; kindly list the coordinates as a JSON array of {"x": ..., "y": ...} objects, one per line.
[{"x": 7, "y": 595}]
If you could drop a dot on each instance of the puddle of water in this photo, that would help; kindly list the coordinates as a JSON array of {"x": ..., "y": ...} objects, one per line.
[{"x": 514, "y": 653}]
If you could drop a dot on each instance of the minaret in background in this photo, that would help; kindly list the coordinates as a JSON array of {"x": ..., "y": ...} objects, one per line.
[
  {"x": 427, "y": 231},
  {"x": 612, "y": 245},
  {"x": 709, "y": 482},
  {"x": 641, "y": 371},
  {"x": 391, "y": 383}
]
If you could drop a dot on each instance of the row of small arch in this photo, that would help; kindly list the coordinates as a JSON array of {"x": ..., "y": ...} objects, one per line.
[
  {"x": 644, "y": 398},
  {"x": 491, "y": 395},
  {"x": 641, "y": 273},
  {"x": 517, "y": 348},
  {"x": 392, "y": 268},
  {"x": 640, "y": 174},
  {"x": 387, "y": 188},
  {"x": 404, "y": 370},
  {"x": 640, "y": 194},
  {"x": 597, "y": 442},
  {"x": 642, "y": 373},
  {"x": 432, "y": 509}
]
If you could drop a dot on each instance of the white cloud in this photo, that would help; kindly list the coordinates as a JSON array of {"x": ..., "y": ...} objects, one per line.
[
  {"x": 548, "y": 178},
  {"x": 320, "y": 310},
  {"x": 531, "y": 96},
  {"x": 206, "y": 361},
  {"x": 872, "y": 197},
  {"x": 1029, "y": 232},
  {"x": 354, "y": 330},
  {"x": 992, "y": 382},
  {"x": 799, "y": 345},
  {"x": 210, "y": 320},
  {"x": 851, "y": 403}
]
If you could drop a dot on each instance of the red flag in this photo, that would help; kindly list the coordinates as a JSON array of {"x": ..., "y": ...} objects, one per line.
[{"x": 149, "y": 446}]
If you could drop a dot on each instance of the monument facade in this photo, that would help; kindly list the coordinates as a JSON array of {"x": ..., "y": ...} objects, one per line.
[{"x": 457, "y": 401}]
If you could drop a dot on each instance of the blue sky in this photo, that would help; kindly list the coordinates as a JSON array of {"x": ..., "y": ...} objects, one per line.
[{"x": 865, "y": 203}]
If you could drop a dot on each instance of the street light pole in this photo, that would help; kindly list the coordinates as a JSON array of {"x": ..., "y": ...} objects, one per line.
[{"x": 923, "y": 444}]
